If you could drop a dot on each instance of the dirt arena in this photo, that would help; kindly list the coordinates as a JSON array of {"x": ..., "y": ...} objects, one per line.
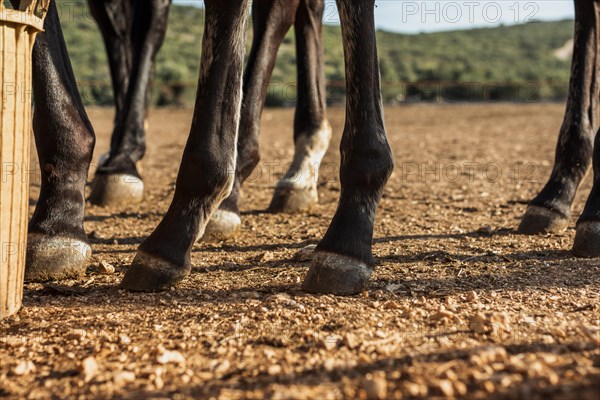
[{"x": 459, "y": 304}]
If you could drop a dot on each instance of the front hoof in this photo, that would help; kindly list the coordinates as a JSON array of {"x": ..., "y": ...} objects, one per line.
[
  {"x": 540, "y": 220},
  {"x": 51, "y": 258},
  {"x": 116, "y": 189},
  {"x": 223, "y": 225},
  {"x": 289, "y": 198},
  {"x": 149, "y": 273},
  {"x": 332, "y": 273},
  {"x": 587, "y": 240}
]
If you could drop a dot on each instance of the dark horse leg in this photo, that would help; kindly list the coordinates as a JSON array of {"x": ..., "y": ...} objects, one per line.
[
  {"x": 550, "y": 210},
  {"x": 271, "y": 20},
  {"x": 207, "y": 168},
  {"x": 587, "y": 238},
  {"x": 57, "y": 246},
  {"x": 133, "y": 32},
  {"x": 297, "y": 190},
  {"x": 343, "y": 261}
]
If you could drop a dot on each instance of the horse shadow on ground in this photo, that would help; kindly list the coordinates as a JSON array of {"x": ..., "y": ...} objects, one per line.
[
  {"x": 317, "y": 376},
  {"x": 517, "y": 271},
  {"x": 218, "y": 247},
  {"x": 517, "y": 277}
]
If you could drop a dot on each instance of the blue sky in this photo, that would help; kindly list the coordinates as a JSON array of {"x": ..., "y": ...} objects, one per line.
[{"x": 414, "y": 16}]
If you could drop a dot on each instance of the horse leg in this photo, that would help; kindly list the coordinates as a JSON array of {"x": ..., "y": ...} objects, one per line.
[
  {"x": 133, "y": 33},
  {"x": 207, "y": 168},
  {"x": 114, "y": 18},
  {"x": 272, "y": 19},
  {"x": 343, "y": 262},
  {"x": 57, "y": 247},
  {"x": 587, "y": 238},
  {"x": 297, "y": 189},
  {"x": 550, "y": 210}
]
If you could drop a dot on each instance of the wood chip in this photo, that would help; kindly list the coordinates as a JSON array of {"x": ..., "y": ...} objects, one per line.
[
  {"x": 478, "y": 323},
  {"x": 376, "y": 387},
  {"x": 88, "y": 368},
  {"x": 446, "y": 387},
  {"x": 123, "y": 377},
  {"x": 23, "y": 368},
  {"x": 169, "y": 357},
  {"x": 105, "y": 268},
  {"x": 472, "y": 296},
  {"x": 441, "y": 315},
  {"x": 77, "y": 334},
  {"x": 274, "y": 369},
  {"x": 351, "y": 340}
]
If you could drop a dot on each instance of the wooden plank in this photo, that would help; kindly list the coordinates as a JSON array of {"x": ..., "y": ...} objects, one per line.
[{"x": 16, "y": 43}]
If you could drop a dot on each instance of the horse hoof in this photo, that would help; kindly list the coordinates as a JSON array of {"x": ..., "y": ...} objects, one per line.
[
  {"x": 149, "y": 273},
  {"x": 289, "y": 198},
  {"x": 539, "y": 220},
  {"x": 587, "y": 240},
  {"x": 332, "y": 273},
  {"x": 116, "y": 189},
  {"x": 223, "y": 225},
  {"x": 51, "y": 258}
]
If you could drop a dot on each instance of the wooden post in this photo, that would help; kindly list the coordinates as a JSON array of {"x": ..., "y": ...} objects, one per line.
[{"x": 17, "y": 35}]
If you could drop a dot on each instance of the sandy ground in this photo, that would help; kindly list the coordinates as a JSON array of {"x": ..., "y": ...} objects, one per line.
[{"x": 459, "y": 304}]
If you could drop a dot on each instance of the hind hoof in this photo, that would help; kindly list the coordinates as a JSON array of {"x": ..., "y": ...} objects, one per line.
[
  {"x": 223, "y": 225},
  {"x": 332, "y": 273},
  {"x": 587, "y": 240},
  {"x": 55, "y": 258},
  {"x": 290, "y": 199},
  {"x": 116, "y": 189},
  {"x": 539, "y": 220},
  {"x": 149, "y": 273}
]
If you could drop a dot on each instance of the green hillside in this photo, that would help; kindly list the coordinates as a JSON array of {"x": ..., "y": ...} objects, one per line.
[{"x": 505, "y": 63}]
